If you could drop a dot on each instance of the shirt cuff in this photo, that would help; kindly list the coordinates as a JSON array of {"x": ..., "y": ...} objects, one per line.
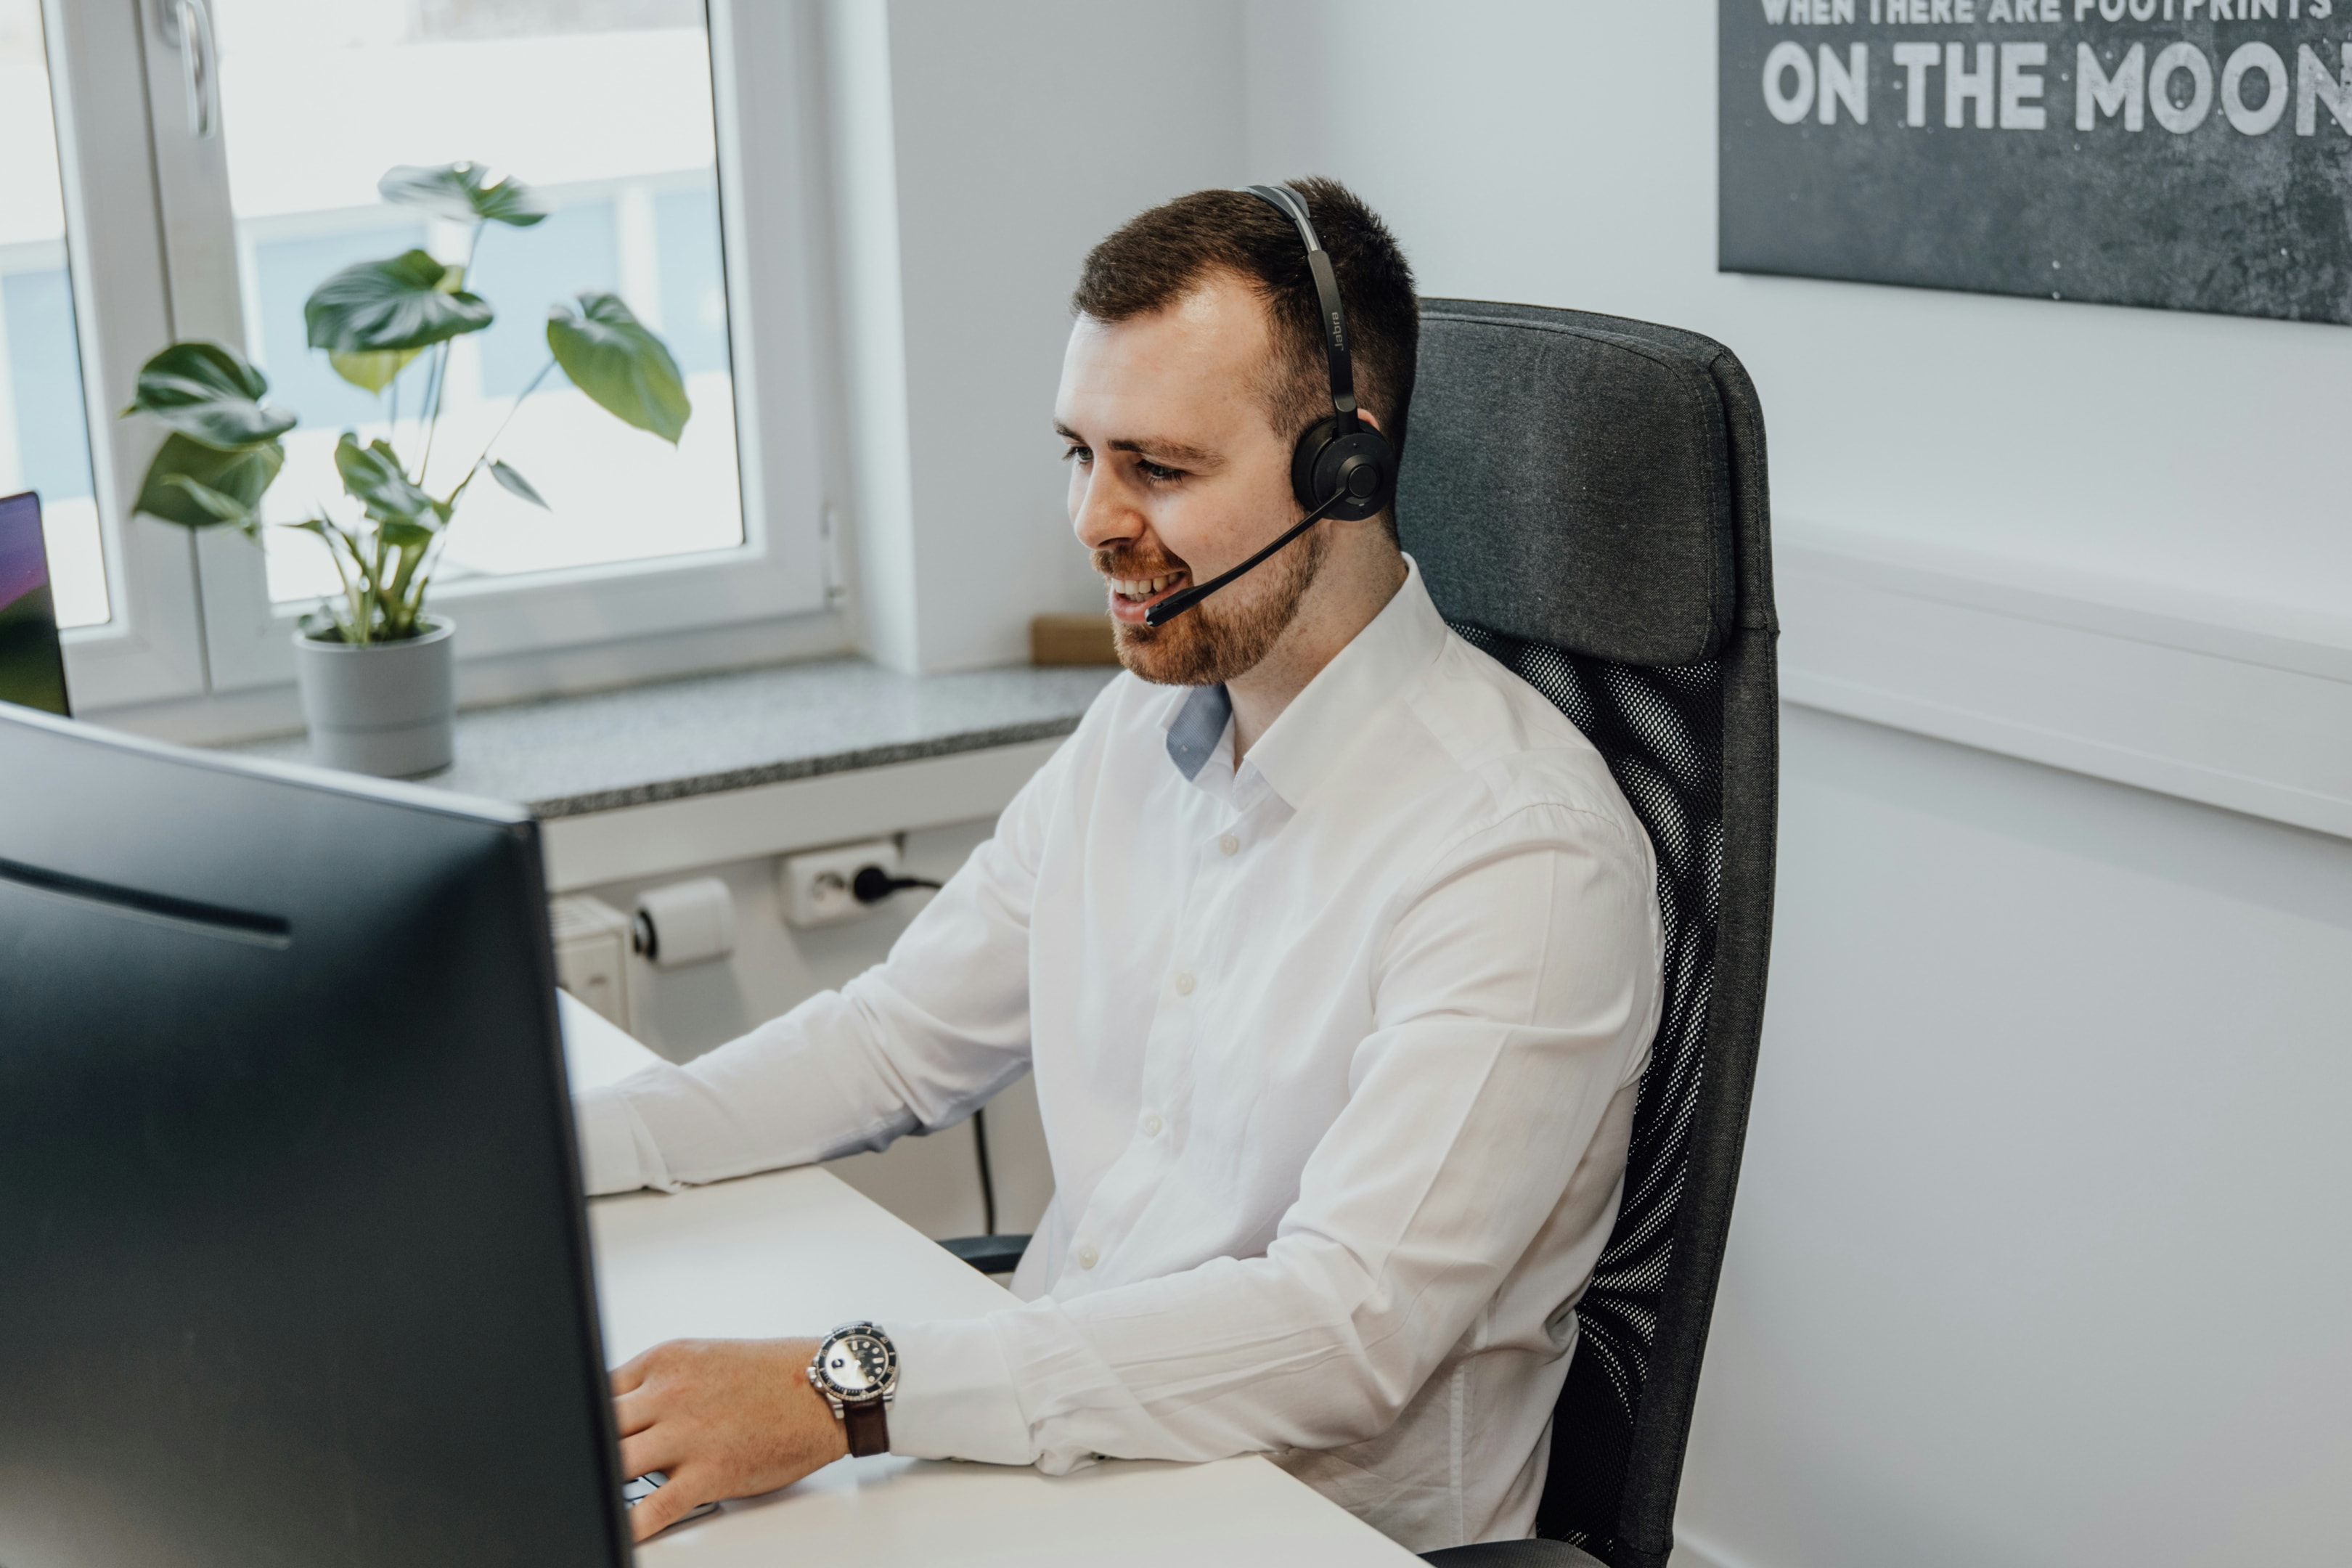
[
  {"x": 617, "y": 1153},
  {"x": 956, "y": 1398}
]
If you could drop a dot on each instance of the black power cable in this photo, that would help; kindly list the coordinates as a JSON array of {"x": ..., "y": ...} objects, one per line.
[
  {"x": 872, "y": 884},
  {"x": 987, "y": 1179}
]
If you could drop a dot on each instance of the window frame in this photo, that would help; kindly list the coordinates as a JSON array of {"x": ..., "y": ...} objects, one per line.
[
  {"x": 552, "y": 630},
  {"x": 151, "y": 650}
]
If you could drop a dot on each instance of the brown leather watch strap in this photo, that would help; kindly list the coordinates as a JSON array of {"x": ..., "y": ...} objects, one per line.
[{"x": 868, "y": 1427}]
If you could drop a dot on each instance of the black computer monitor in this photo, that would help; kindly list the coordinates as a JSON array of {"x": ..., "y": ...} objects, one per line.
[
  {"x": 32, "y": 664},
  {"x": 294, "y": 1268}
]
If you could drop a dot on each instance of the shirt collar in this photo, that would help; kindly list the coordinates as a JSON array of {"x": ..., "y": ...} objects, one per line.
[{"x": 1303, "y": 745}]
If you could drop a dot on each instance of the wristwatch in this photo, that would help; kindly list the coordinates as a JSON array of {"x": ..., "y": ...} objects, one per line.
[{"x": 856, "y": 1370}]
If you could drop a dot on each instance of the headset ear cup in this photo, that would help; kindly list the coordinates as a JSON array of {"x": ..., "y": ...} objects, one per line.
[
  {"x": 1307, "y": 457},
  {"x": 1327, "y": 460}
]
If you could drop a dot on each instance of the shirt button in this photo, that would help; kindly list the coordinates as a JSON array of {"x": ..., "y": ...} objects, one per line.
[
  {"x": 1088, "y": 1257},
  {"x": 1151, "y": 1125},
  {"x": 1230, "y": 844},
  {"x": 1184, "y": 983}
]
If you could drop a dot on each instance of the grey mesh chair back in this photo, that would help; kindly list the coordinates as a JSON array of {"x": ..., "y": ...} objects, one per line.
[{"x": 1586, "y": 499}]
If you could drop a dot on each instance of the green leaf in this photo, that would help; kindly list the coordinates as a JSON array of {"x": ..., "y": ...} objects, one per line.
[
  {"x": 242, "y": 475},
  {"x": 371, "y": 370},
  {"x": 225, "y": 508},
  {"x": 407, "y": 302},
  {"x": 404, "y": 535},
  {"x": 516, "y": 484},
  {"x": 209, "y": 392},
  {"x": 610, "y": 355},
  {"x": 467, "y": 192},
  {"x": 372, "y": 477}
]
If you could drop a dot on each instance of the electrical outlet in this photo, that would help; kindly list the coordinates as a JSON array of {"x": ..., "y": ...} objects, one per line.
[{"x": 814, "y": 889}]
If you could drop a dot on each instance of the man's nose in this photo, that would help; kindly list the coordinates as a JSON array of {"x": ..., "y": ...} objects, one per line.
[{"x": 1100, "y": 516}]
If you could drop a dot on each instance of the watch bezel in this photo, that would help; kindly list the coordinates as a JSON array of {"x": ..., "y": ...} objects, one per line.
[{"x": 883, "y": 1388}]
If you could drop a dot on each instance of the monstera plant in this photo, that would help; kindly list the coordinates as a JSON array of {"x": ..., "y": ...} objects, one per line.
[
  {"x": 383, "y": 325},
  {"x": 373, "y": 320}
]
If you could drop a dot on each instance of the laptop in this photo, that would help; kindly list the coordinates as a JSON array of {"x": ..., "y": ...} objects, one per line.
[{"x": 32, "y": 662}]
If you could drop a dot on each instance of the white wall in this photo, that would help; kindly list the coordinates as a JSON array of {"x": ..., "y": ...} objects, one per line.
[
  {"x": 2039, "y": 1256},
  {"x": 1563, "y": 154},
  {"x": 1018, "y": 136},
  {"x": 2039, "y": 1251}
]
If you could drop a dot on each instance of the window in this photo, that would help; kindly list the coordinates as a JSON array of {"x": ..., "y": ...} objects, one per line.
[
  {"x": 316, "y": 102},
  {"x": 269, "y": 124}
]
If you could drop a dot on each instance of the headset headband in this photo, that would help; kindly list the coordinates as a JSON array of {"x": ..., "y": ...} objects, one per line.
[{"x": 1292, "y": 205}]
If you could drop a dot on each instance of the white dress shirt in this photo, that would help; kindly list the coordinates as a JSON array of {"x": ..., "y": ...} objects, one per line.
[{"x": 1337, "y": 1053}]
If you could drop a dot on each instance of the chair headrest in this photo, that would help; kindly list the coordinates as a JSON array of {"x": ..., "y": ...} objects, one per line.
[{"x": 1567, "y": 478}]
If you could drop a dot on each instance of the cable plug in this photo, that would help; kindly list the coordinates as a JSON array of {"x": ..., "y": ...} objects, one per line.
[{"x": 872, "y": 884}]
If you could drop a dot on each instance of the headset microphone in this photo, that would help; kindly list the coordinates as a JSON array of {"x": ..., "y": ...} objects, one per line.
[
  {"x": 1342, "y": 467},
  {"x": 1175, "y": 605}
]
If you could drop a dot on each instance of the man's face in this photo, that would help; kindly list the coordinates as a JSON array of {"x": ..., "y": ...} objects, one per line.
[{"x": 1177, "y": 475}]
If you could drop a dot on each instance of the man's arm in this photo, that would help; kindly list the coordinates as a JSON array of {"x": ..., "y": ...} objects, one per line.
[
  {"x": 919, "y": 1041},
  {"x": 1516, "y": 998}
]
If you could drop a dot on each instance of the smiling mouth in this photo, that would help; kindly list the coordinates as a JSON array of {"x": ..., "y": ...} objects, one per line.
[
  {"x": 1131, "y": 596},
  {"x": 1143, "y": 590}
]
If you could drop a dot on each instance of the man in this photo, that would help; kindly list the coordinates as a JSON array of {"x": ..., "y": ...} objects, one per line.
[{"x": 1332, "y": 945}]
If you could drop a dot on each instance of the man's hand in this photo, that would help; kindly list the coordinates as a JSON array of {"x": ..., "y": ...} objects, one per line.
[{"x": 722, "y": 1418}]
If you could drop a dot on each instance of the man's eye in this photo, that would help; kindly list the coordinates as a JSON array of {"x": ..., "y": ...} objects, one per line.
[
  {"x": 1159, "y": 473},
  {"x": 1079, "y": 455}
]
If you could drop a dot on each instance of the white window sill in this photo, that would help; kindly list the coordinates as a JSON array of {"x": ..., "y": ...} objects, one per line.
[{"x": 690, "y": 773}]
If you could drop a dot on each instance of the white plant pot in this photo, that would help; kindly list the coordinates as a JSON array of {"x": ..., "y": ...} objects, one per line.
[{"x": 386, "y": 709}]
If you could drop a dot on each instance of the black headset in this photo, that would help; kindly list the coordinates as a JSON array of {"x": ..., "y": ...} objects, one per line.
[
  {"x": 1341, "y": 455},
  {"x": 1342, "y": 467}
]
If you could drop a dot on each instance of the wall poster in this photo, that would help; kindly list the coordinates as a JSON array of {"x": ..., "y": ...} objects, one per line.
[{"x": 2190, "y": 154}]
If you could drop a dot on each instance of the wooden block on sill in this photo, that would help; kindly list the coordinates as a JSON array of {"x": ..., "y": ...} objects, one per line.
[{"x": 1071, "y": 639}]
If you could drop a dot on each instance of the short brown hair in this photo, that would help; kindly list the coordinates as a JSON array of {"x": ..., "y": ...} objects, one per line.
[{"x": 1156, "y": 257}]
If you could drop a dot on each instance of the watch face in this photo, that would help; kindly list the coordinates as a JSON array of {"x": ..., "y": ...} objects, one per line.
[{"x": 858, "y": 1363}]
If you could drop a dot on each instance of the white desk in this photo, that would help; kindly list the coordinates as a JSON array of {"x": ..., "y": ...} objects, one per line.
[{"x": 796, "y": 1252}]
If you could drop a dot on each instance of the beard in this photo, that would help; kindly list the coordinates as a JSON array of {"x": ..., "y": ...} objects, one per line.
[{"x": 1218, "y": 639}]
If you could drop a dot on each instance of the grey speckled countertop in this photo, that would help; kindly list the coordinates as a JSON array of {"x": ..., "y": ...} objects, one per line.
[{"x": 567, "y": 755}]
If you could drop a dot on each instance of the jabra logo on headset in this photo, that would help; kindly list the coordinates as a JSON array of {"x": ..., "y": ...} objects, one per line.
[{"x": 1340, "y": 329}]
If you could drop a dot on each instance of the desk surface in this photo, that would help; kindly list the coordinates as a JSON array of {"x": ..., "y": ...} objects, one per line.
[{"x": 798, "y": 1252}]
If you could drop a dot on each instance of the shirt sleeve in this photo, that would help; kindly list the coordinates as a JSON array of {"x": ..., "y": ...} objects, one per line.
[
  {"x": 915, "y": 1043},
  {"x": 617, "y": 1150},
  {"x": 1515, "y": 997}
]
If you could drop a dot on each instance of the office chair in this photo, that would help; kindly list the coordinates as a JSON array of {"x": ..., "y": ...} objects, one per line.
[{"x": 1585, "y": 496}]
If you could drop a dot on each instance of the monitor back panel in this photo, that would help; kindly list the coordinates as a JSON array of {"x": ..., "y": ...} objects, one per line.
[{"x": 293, "y": 1269}]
